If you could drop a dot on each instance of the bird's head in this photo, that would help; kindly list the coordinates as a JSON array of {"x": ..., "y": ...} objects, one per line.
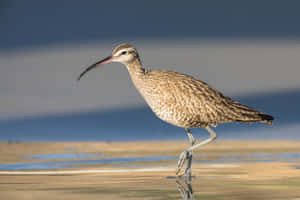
[{"x": 124, "y": 53}]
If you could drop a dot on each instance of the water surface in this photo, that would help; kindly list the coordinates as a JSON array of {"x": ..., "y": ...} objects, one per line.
[{"x": 81, "y": 160}]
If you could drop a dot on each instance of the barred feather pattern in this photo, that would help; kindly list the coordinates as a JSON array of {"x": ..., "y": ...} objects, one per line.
[{"x": 186, "y": 102}]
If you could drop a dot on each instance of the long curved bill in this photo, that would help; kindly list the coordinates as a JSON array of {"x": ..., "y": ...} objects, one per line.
[{"x": 104, "y": 61}]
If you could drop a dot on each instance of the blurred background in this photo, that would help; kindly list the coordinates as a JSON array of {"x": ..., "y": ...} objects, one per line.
[{"x": 249, "y": 50}]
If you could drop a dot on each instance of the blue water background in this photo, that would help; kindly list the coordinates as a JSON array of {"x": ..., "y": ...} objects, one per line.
[
  {"x": 129, "y": 161},
  {"x": 141, "y": 124}
]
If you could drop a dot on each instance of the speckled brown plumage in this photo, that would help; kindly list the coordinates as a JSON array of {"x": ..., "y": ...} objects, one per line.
[{"x": 186, "y": 102}]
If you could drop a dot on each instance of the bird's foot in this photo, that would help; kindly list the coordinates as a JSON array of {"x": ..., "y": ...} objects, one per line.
[
  {"x": 182, "y": 159},
  {"x": 186, "y": 176}
]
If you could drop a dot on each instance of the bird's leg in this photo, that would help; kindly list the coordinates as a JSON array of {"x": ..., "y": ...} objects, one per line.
[
  {"x": 212, "y": 137},
  {"x": 191, "y": 137},
  {"x": 188, "y": 155},
  {"x": 185, "y": 155},
  {"x": 192, "y": 141}
]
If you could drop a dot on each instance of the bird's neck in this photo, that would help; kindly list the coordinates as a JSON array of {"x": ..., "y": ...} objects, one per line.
[
  {"x": 135, "y": 69},
  {"x": 137, "y": 73}
]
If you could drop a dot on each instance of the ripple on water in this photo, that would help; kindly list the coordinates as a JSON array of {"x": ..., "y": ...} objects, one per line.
[
  {"x": 255, "y": 157},
  {"x": 81, "y": 159},
  {"x": 62, "y": 156},
  {"x": 73, "y": 163},
  {"x": 296, "y": 166}
]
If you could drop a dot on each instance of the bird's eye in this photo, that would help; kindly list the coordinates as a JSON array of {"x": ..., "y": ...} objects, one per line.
[{"x": 123, "y": 52}]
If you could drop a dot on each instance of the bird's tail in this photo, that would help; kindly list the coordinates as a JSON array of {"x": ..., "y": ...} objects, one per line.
[
  {"x": 268, "y": 119},
  {"x": 246, "y": 114},
  {"x": 257, "y": 117}
]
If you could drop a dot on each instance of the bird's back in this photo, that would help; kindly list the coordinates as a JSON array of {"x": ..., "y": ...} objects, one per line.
[{"x": 187, "y": 102}]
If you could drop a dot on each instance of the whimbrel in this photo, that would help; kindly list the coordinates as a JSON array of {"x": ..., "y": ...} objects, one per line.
[{"x": 182, "y": 100}]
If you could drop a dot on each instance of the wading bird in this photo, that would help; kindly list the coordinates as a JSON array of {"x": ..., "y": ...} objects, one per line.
[{"x": 182, "y": 100}]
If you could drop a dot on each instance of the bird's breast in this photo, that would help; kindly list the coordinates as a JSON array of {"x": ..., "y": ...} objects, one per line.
[{"x": 165, "y": 105}]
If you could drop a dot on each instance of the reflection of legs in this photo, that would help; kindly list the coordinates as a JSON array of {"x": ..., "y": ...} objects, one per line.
[
  {"x": 187, "y": 154},
  {"x": 185, "y": 192}
]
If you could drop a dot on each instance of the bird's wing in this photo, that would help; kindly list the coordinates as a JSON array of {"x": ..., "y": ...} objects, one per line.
[{"x": 196, "y": 98}]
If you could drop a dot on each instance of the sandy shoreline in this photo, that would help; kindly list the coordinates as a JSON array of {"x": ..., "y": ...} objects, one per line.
[{"x": 250, "y": 179}]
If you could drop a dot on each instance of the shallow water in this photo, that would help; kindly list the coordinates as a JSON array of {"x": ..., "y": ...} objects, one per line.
[
  {"x": 79, "y": 160},
  {"x": 257, "y": 157},
  {"x": 137, "y": 186},
  {"x": 228, "y": 171},
  {"x": 62, "y": 156},
  {"x": 79, "y": 163}
]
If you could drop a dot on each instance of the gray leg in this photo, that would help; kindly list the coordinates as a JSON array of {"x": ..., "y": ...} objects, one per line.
[
  {"x": 212, "y": 137},
  {"x": 189, "y": 156},
  {"x": 187, "y": 153},
  {"x": 191, "y": 137},
  {"x": 192, "y": 141}
]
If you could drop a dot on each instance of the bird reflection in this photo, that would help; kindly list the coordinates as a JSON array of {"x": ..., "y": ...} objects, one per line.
[{"x": 185, "y": 189}]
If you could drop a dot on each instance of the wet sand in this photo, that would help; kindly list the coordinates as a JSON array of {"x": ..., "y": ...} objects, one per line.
[{"x": 218, "y": 179}]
